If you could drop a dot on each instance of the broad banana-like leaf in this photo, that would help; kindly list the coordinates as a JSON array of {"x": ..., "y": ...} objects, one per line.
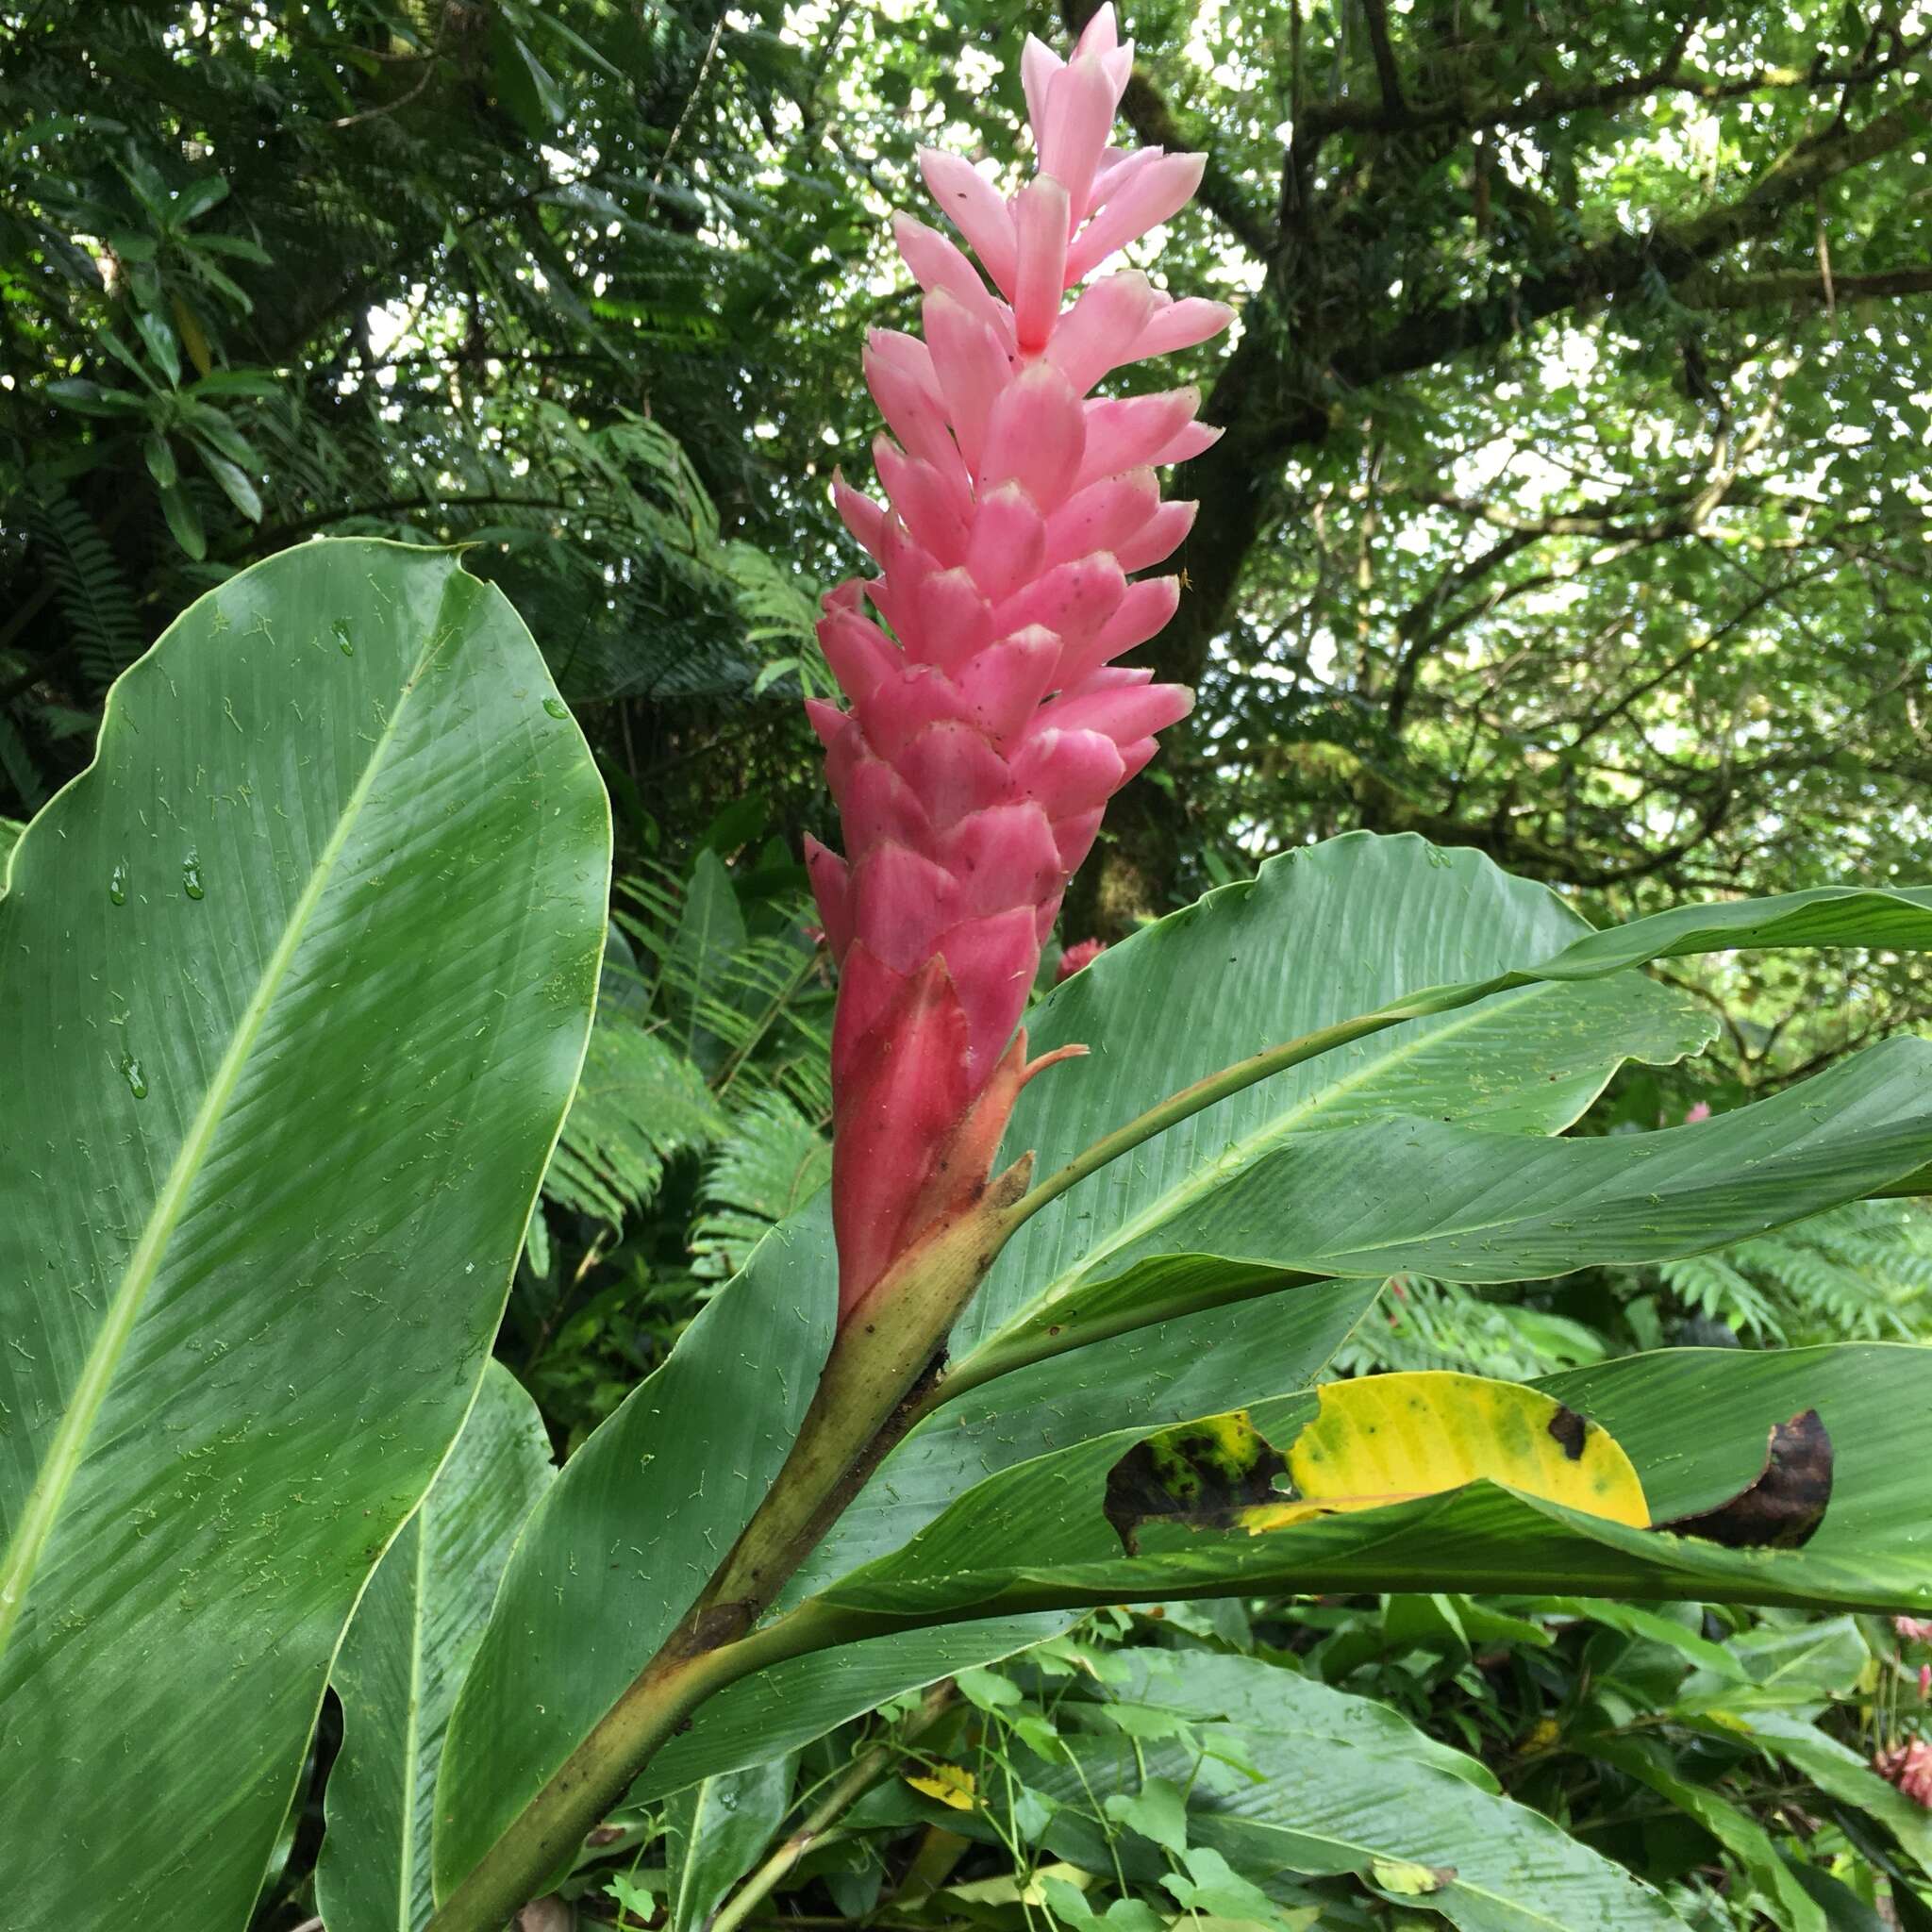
[
  {"x": 1283, "y": 1773},
  {"x": 1252, "y": 1695},
  {"x": 1353, "y": 922},
  {"x": 1039, "y": 1536},
  {"x": 1320, "y": 937},
  {"x": 414, "y": 1633},
  {"x": 1462, "y": 1205},
  {"x": 628, "y": 1535},
  {"x": 294, "y": 985},
  {"x": 714, "y": 1832}
]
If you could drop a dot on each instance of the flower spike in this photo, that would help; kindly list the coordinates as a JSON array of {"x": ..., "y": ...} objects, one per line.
[{"x": 989, "y": 718}]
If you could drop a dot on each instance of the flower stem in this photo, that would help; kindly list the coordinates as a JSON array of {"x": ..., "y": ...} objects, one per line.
[
  {"x": 865, "y": 1772},
  {"x": 862, "y": 1406},
  {"x": 547, "y": 1833}
]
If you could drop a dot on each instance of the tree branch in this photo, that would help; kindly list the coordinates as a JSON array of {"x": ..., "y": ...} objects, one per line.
[
  {"x": 1387, "y": 76},
  {"x": 1776, "y": 287},
  {"x": 1468, "y": 113},
  {"x": 1675, "y": 251}
]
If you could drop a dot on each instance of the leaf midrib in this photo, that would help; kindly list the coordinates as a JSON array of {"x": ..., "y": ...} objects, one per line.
[
  {"x": 1201, "y": 1180},
  {"x": 1510, "y": 1903},
  {"x": 405, "y": 1875},
  {"x": 68, "y": 1448}
]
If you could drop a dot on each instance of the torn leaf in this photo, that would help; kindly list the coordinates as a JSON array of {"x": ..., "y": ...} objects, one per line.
[{"x": 1389, "y": 1438}]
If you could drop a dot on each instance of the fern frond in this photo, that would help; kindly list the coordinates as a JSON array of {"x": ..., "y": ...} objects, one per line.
[
  {"x": 92, "y": 593},
  {"x": 638, "y": 1105},
  {"x": 1423, "y": 1324},
  {"x": 770, "y": 1163}
]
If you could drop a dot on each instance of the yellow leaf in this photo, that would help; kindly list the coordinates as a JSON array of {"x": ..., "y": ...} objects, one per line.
[
  {"x": 1408, "y": 1880},
  {"x": 949, "y": 1784},
  {"x": 1389, "y": 1438},
  {"x": 192, "y": 337}
]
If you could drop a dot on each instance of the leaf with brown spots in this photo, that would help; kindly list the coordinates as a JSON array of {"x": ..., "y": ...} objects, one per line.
[{"x": 1782, "y": 1505}]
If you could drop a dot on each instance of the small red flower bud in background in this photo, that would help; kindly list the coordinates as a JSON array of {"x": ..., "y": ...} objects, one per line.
[
  {"x": 992, "y": 721},
  {"x": 1909, "y": 1766},
  {"x": 1076, "y": 957}
]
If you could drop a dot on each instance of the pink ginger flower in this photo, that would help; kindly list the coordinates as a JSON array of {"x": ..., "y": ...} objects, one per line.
[
  {"x": 1912, "y": 1629},
  {"x": 1698, "y": 1113},
  {"x": 1076, "y": 957},
  {"x": 1909, "y": 1766},
  {"x": 987, "y": 730}
]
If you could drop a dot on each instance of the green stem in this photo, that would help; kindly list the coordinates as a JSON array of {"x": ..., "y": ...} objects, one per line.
[
  {"x": 549, "y": 1830},
  {"x": 1261, "y": 1066},
  {"x": 865, "y": 1772},
  {"x": 1042, "y": 1343},
  {"x": 857, "y": 1412}
]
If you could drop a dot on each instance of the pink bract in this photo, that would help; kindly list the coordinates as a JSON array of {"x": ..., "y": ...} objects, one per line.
[{"x": 989, "y": 719}]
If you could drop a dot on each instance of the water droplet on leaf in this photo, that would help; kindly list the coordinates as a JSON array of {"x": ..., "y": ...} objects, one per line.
[
  {"x": 346, "y": 643},
  {"x": 117, "y": 884},
  {"x": 190, "y": 876},
  {"x": 136, "y": 1080},
  {"x": 556, "y": 708}
]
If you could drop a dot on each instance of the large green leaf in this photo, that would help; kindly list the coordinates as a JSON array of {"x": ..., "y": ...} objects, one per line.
[
  {"x": 1320, "y": 937},
  {"x": 414, "y": 1632},
  {"x": 1462, "y": 1205},
  {"x": 1323, "y": 1806},
  {"x": 1289, "y": 1774},
  {"x": 714, "y": 1832},
  {"x": 1253, "y": 1695},
  {"x": 1035, "y": 1536},
  {"x": 769, "y": 1715},
  {"x": 628, "y": 1535},
  {"x": 294, "y": 984},
  {"x": 1897, "y": 917}
]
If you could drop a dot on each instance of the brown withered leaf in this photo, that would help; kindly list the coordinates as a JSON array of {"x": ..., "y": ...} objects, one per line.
[
  {"x": 1202, "y": 1473},
  {"x": 1782, "y": 1505}
]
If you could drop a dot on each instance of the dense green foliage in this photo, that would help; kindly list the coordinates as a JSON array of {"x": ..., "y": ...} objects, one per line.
[{"x": 1572, "y": 508}]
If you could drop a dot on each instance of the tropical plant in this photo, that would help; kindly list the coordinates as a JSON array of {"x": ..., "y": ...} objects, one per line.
[{"x": 299, "y": 978}]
